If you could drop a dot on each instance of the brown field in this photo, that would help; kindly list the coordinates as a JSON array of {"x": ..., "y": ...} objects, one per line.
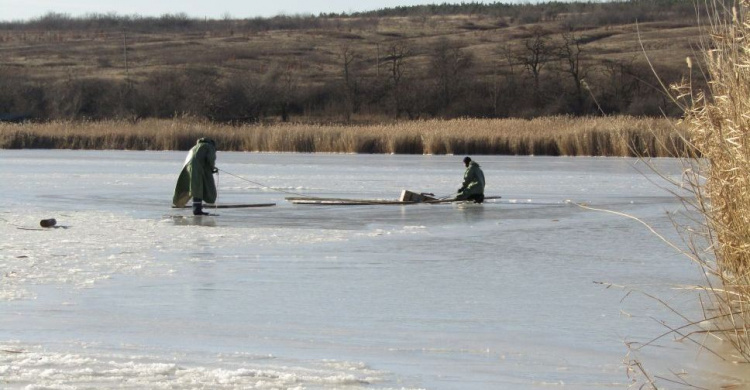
[
  {"x": 316, "y": 52},
  {"x": 554, "y": 136}
]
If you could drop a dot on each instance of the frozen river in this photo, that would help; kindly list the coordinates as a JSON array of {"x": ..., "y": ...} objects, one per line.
[{"x": 129, "y": 293}]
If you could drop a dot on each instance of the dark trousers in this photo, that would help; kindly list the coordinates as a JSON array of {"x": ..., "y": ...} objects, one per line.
[{"x": 477, "y": 198}]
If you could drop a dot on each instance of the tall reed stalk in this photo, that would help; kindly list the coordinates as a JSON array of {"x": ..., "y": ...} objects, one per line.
[
  {"x": 555, "y": 136},
  {"x": 718, "y": 125}
]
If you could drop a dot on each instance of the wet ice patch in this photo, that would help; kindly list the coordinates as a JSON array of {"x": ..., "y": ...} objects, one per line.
[
  {"x": 520, "y": 201},
  {"x": 229, "y": 233},
  {"x": 414, "y": 228},
  {"x": 393, "y": 231}
]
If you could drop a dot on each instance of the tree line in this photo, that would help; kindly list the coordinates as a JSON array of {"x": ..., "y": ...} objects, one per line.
[
  {"x": 580, "y": 13},
  {"x": 540, "y": 77}
]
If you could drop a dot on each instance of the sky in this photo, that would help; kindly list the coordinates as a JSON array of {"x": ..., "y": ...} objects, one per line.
[{"x": 27, "y": 9}]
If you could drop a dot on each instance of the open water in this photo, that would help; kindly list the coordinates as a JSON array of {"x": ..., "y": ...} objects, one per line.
[{"x": 520, "y": 293}]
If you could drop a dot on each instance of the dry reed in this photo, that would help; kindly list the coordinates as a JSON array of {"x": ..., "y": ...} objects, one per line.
[
  {"x": 553, "y": 136},
  {"x": 719, "y": 129}
]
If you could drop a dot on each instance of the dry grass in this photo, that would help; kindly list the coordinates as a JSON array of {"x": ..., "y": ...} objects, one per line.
[
  {"x": 554, "y": 136},
  {"x": 719, "y": 128}
]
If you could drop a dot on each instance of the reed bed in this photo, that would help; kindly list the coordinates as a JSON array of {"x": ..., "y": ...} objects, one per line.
[
  {"x": 552, "y": 136},
  {"x": 718, "y": 127}
]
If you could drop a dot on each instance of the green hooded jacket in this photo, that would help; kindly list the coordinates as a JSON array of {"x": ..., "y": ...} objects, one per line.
[
  {"x": 196, "y": 179},
  {"x": 473, "y": 180}
]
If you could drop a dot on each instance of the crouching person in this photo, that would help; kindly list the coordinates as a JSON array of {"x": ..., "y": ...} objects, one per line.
[{"x": 473, "y": 185}]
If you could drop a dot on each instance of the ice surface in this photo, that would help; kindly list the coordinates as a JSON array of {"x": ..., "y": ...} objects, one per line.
[
  {"x": 39, "y": 368},
  {"x": 129, "y": 292}
]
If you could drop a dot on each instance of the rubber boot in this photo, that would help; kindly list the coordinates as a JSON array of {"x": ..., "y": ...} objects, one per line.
[{"x": 198, "y": 207}]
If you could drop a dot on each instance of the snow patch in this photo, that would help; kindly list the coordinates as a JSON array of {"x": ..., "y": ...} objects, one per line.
[{"x": 33, "y": 367}]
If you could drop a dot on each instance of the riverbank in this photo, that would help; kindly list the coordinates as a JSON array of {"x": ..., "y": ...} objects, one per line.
[{"x": 550, "y": 136}]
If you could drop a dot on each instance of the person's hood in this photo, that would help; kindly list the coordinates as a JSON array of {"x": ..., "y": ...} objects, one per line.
[{"x": 206, "y": 140}]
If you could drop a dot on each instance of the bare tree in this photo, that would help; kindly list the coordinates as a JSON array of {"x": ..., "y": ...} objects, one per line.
[
  {"x": 502, "y": 73},
  {"x": 448, "y": 66},
  {"x": 281, "y": 84},
  {"x": 396, "y": 58},
  {"x": 535, "y": 56},
  {"x": 351, "y": 85},
  {"x": 241, "y": 99},
  {"x": 620, "y": 84},
  {"x": 571, "y": 56}
]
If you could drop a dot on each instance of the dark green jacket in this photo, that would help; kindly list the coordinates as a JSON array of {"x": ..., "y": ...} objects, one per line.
[
  {"x": 196, "y": 179},
  {"x": 473, "y": 180}
]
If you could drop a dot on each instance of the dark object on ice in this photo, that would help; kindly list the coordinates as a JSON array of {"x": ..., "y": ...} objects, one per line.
[
  {"x": 47, "y": 223},
  {"x": 408, "y": 196}
]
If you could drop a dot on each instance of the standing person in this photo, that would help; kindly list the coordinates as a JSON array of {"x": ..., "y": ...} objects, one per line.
[
  {"x": 473, "y": 185},
  {"x": 196, "y": 179}
]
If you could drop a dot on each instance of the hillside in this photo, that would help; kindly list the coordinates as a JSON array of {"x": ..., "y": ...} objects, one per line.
[{"x": 405, "y": 63}]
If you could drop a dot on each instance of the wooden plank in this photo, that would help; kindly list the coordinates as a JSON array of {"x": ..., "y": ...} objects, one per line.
[
  {"x": 356, "y": 202},
  {"x": 346, "y": 202}
]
